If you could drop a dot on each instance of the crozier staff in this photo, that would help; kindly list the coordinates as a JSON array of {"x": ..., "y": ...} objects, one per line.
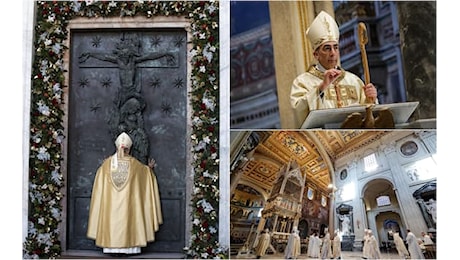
[{"x": 326, "y": 84}]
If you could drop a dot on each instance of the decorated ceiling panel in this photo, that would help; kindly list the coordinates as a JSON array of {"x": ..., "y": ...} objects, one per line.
[{"x": 279, "y": 147}]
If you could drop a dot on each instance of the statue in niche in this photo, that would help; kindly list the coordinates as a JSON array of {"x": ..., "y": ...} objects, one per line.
[
  {"x": 431, "y": 208},
  {"x": 345, "y": 221},
  {"x": 126, "y": 116}
]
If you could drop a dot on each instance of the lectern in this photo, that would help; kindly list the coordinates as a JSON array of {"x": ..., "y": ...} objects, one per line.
[{"x": 332, "y": 118}]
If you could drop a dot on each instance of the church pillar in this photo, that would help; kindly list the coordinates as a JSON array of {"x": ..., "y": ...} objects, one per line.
[
  {"x": 418, "y": 32},
  {"x": 359, "y": 208},
  {"x": 331, "y": 227},
  {"x": 406, "y": 202},
  {"x": 428, "y": 138}
]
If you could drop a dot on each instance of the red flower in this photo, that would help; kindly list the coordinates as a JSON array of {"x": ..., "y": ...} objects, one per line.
[
  {"x": 203, "y": 164},
  {"x": 211, "y": 128},
  {"x": 203, "y": 106},
  {"x": 213, "y": 149}
]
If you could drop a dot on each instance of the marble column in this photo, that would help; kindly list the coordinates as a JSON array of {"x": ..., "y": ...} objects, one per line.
[
  {"x": 417, "y": 28},
  {"x": 407, "y": 204}
]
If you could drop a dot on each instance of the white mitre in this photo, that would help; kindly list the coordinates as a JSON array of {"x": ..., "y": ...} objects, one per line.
[
  {"x": 323, "y": 29},
  {"x": 122, "y": 141}
]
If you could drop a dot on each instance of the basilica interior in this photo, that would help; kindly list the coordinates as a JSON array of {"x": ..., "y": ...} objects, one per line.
[{"x": 324, "y": 181}]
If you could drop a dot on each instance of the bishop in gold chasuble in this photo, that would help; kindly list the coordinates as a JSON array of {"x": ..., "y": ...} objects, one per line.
[{"x": 125, "y": 210}]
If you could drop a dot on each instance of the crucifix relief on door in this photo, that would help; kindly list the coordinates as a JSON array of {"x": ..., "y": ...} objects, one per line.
[{"x": 132, "y": 81}]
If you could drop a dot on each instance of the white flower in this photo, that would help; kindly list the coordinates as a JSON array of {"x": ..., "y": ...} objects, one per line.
[
  {"x": 202, "y": 69},
  {"x": 196, "y": 190},
  {"x": 202, "y": 36},
  {"x": 57, "y": 88},
  {"x": 52, "y": 202},
  {"x": 212, "y": 230},
  {"x": 56, "y": 48},
  {"x": 51, "y": 18},
  {"x": 206, "y": 139},
  {"x": 58, "y": 65},
  {"x": 76, "y": 6},
  {"x": 48, "y": 42},
  {"x": 207, "y": 54},
  {"x": 57, "y": 30},
  {"x": 196, "y": 222},
  {"x": 212, "y": 79},
  {"x": 211, "y": 8},
  {"x": 201, "y": 145},
  {"x": 32, "y": 230},
  {"x": 56, "y": 213},
  {"x": 112, "y": 4},
  {"x": 207, "y": 207},
  {"x": 43, "y": 154},
  {"x": 207, "y": 175},
  {"x": 44, "y": 239},
  {"x": 204, "y": 255},
  {"x": 197, "y": 121},
  {"x": 36, "y": 138},
  {"x": 193, "y": 53},
  {"x": 56, "y": 177},
  {"x": 209, "y": 103},
  {"x": 43, "y": 36},
  {"x": 42, "y": 108},
  {"x": 41, "y": 221},
  {"x": 58, "y": 135}
]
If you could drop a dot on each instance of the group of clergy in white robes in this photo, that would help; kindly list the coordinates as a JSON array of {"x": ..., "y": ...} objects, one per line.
[
  {"x": 314, "y": 246},
  {"x": 324, "y": 248},
  {"x": 371, "y": 249},
  {"x": 292, "y": 250}
]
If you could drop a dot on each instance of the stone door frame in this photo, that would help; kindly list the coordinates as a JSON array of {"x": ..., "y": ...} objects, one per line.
[{"x": 137, "y": 22}]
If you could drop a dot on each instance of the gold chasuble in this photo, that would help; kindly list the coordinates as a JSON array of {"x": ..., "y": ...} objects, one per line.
[
  {"x": 347, "y": 90},
  {"x": 125, "y": 208}
]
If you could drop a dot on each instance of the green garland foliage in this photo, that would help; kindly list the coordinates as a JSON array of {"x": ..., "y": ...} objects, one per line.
[{"x": 47, "y": 131}]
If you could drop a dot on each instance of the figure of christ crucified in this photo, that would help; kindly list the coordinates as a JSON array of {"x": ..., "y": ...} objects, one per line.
[
  {"x": 126, "y": 56},
  {"x": 126, "y": 116}
]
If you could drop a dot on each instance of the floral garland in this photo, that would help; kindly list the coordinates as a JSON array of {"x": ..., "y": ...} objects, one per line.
[{"x": 46, "y": 128}]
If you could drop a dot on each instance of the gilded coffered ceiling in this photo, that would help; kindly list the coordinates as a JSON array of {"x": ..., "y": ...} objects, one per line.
[{"x": 314, "y": 151}]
